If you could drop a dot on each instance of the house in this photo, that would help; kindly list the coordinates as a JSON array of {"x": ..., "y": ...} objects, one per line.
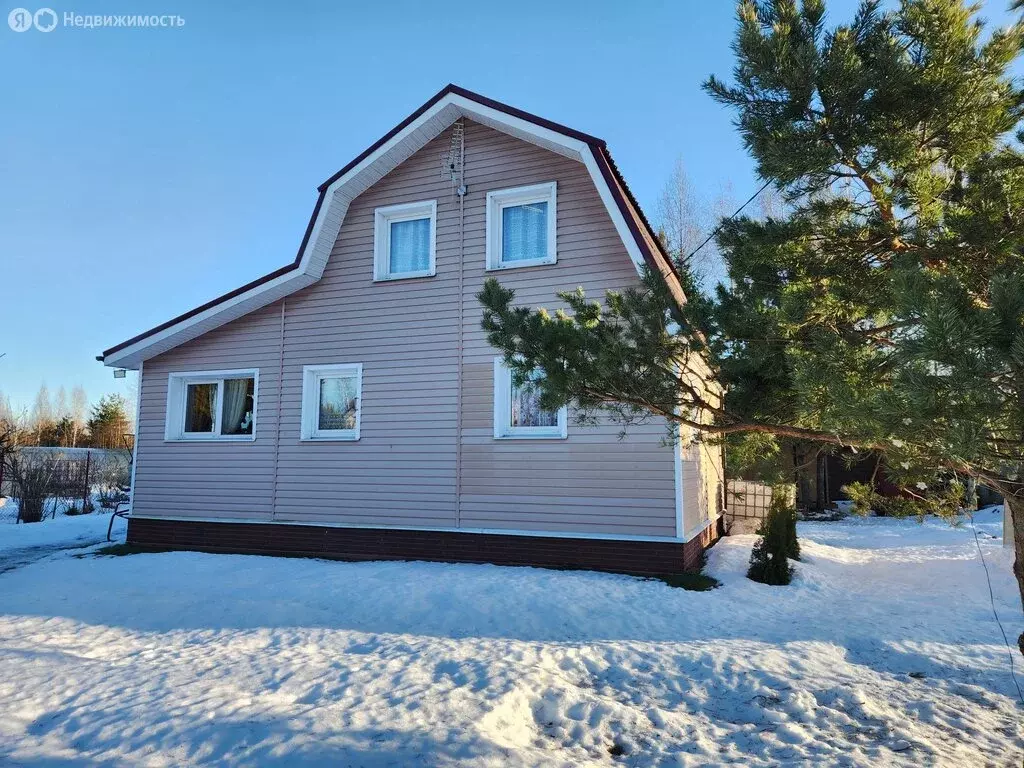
[{"x": 347, "y": 405}]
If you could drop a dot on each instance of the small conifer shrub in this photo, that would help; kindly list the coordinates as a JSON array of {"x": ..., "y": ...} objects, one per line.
[{"x": 769, "y": 560}]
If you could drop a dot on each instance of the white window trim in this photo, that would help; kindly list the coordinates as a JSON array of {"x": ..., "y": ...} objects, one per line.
[
  {"x": 311, "y": 375},
  {"x": 503, "y": 429},
  {"x": 383, "y": 218},
  {"x": 177, "y": 387},
  {"x": 504, "y": 198}
]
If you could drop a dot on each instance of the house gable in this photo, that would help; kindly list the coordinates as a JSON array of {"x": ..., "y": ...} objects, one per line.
[
  {"x": 426, "y": 456},
  {"x": 338, "y": 192}
]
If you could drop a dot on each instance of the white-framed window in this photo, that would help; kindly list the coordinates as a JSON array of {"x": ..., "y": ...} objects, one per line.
[
  {"x": 517, "y": 411},
  {"x": 212, "y": 405},
  {"x": 404, "y": 238},
  {"x": 331, "y": 401},
  {"x": 521, "y": 225}
]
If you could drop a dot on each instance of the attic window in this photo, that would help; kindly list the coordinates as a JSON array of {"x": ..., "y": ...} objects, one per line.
[
  {"x": 521, "y": 226},
  {"x": 404, "y": 241}
]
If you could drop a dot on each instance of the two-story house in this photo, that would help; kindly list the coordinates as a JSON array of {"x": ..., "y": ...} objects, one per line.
[{"x": 348, "y": 405}]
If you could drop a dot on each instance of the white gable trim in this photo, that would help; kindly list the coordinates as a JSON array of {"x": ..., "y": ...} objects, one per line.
[{"x": 355, "y": 181}]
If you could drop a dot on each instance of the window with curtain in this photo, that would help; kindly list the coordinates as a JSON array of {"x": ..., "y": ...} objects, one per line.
[
  {"x": 525, "y": 410},
  {"x": 331, "y": 401},
  {"x": 517, "y": 411},
  {"x": 200, "y": 407},
  {"x": 409, "y": 246},
  {"x": 237, "y": 406},
  {"x": 521, "y": 226},
  {"x": 205, "y": 406},
  {"x": 524, "y": 232},
  {"x": 404, "y": 240}
]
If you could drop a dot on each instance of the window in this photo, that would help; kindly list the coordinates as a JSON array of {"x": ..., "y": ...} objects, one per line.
[
  {"x": 521, "y": 227},
  {"x": 213, "y": 405},
  {"x": 403, "y": 241},
  {"x": 331, "y": 401},
  {"x": 517, "y": 411}
]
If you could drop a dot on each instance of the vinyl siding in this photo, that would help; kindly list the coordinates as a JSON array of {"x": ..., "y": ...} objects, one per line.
[{"x": 406, "y": 333}]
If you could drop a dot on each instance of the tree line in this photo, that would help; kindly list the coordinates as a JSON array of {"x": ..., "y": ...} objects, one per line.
[{"x": 68, "y": 421}]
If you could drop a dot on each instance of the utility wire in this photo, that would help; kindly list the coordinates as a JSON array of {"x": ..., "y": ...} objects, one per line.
[
  {"x": 992, "y": 600},
  {"x": 732, "y": 216}
]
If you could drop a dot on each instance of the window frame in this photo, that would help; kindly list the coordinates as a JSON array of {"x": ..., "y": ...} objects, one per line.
[
  {"x": 383, "y": 218},
  {"x": 177, "y": 393},
  {"x": 497, "y": 201},
  {"x": 503, "y": 428},
  {"x": 311, "y": 377}
]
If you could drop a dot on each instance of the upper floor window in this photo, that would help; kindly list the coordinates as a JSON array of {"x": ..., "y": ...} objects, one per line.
[
  {"x": 331, "y": 399},
  {"x": 213, "y": 405},
  {"x": 404, "y": 240},
  {"x": 521, "y": 226},
  {"x": 517, "y": 411}
]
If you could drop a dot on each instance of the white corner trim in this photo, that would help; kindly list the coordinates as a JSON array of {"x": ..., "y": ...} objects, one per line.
[
  {"x": 174, "y": 416},
  {"x": 437, "y": 529},
  {"x": 387, "y": 215},
  {"x": 497, "y": 201},
  {"x": 309, "y": 430},
  {"x": 138, "y": 443},
  {"x": 677, "y": 472}
]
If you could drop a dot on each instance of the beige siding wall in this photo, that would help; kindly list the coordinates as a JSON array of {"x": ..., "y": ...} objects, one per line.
[{"x": 402, "y": 470}]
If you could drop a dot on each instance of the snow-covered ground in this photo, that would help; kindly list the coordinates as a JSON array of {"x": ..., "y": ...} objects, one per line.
[
  {"x": 62, "y": 531},
  {"x": 882, "y": 652}
]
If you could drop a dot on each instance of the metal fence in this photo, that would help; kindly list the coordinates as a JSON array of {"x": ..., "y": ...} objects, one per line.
[
  {"x": 747, "y": 502},
  {"x": 76, "y": 479}
]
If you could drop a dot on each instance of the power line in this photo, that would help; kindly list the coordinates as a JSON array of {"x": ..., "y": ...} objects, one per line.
[
  {"x": 992, "y": 600},
  {"x": 733, "y": 215}
]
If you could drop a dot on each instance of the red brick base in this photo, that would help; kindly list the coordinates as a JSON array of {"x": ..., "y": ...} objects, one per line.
[{"x": 637, "y": 557}]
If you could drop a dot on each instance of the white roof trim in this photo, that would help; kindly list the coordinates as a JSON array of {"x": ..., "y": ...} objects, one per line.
[{"x": 353, "y": 183}]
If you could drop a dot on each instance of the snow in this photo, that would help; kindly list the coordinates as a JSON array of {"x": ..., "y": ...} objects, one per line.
[
  {"x": 882, "y": 652},
  {"x": 77, "y": 531}
]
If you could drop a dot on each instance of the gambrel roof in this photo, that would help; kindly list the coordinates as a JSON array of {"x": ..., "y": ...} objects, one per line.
[{"x": 400, "y": 143}]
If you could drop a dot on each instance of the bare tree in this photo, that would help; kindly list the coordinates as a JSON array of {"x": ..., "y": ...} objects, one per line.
[
  {"x": 686, "y": 219},
  {"x": 41, "y": 418},
  {"x": 79, "y": 410},
  {"x": 6, "y": 412},
  {"x": 61, "y": 409}
]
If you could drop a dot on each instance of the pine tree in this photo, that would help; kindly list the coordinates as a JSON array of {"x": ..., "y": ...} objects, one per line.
[
  {"x": 109, "y": 422},
  {"x": 883, "y": 309},
  {"x": 769, "y": 558}
]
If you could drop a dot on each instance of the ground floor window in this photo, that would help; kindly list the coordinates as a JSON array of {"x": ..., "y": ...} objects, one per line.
[
  {"x": 331, "y": 398},
  {"x": 213, "y": 405},
  {"x": 517, "y": 411}
]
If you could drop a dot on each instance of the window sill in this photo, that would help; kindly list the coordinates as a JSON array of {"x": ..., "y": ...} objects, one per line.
[
  {"x": 328, "y": 438},
  {"x": 404, "y": 276},
  {"x": 539, "y": 436},
  {"x": 521, "y": 264},
  {"x": 216, "y": 439}
]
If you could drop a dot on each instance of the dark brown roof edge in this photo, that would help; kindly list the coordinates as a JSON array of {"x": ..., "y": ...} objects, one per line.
[
  {"x": 641, "y": 229},
  {"x": 649, "y": 245},
  {"x": 230, "y": 294}
]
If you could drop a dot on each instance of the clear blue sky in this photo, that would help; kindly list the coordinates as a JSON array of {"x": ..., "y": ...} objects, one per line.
[{"x": 144, "y": 171}]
